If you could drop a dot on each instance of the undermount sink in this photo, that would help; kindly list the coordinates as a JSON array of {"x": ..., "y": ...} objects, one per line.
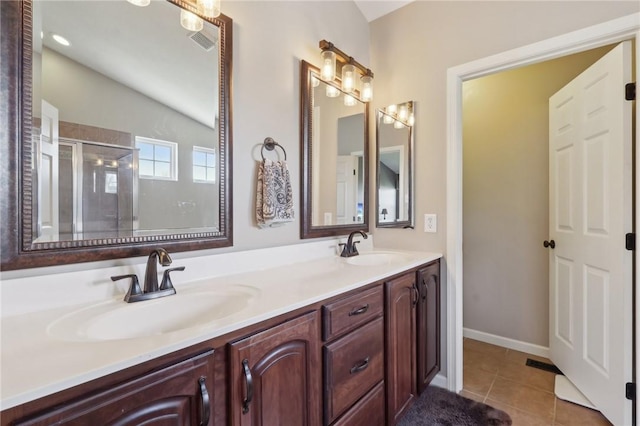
[
  {"x": 116, "y": 319},
  {"x": 376, "y": 259}
]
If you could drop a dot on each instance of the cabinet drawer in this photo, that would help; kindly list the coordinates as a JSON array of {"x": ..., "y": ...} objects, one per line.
[
  {"x": 369, "y": 411},
  {"x": 353, "y": 365},
  {"x": 351, "y": 312}
]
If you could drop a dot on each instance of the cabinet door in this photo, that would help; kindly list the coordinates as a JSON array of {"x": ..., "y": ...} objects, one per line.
[
  {"x": 401, "y": 299},
  {"x": 276, "y": 375},
  {"x": 178, "y": 395},
  {"x": 428, "y": 329}
]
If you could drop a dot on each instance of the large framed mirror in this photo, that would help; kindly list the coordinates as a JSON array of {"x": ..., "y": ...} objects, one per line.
[
  {"x": 118, "y": 130},
  {"x": 394, "y": 166},
  {"x": 334, "y": 162}
]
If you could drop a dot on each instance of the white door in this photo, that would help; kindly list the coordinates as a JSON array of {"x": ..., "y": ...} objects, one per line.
[
  {"x": 346, "y": 189},
  {"x": 47, "y": 164},
  {"x": 590, "y": 207}
]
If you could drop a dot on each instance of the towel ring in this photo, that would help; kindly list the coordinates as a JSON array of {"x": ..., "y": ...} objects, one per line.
[{"x": 269, "y": 144}]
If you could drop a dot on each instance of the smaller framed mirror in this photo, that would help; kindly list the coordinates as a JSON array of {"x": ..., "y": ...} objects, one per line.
[
  {"x": 334, "y": 164},
  {"x": 394, "y": 166}
]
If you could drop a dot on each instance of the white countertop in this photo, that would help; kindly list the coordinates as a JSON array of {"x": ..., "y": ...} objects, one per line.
[{"x": 35, "y": 364}]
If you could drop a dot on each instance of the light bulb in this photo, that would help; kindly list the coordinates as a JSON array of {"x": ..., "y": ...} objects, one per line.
[
  {"x": 332, "y": 92},
  {"x": 209, "y": 8},
  {"x": 141, "y": 3},
  {"x": 391, "y": 112},
  {"x": 398, "y": 124},
  {"x": 314, "y": 82},
  {"x": 403, "y": 113},
  {"x": 328, "y": 70},
  {"x": 349, "y": 100},
  {"x": 190, "y": 21},
  {"x": 367, "y": 88},
  {"x": 412, "y": 119},
  {"x": 348, "y": 78}
]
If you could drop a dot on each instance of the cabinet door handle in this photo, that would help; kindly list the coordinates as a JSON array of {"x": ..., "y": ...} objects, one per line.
[
  {"x": 249, "y": 382},
  {"x": 359, "y": 311},
  {"x": 415, "y": 291},
  {"x": 360, "y": 366},
  {"x": 206, "y": 403}
]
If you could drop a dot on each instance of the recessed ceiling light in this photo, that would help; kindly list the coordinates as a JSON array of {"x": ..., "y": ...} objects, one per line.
[{"x": 63, "y": 41}]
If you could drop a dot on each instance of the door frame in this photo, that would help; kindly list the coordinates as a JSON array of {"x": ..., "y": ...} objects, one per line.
[{"x": 614, "y": 31}]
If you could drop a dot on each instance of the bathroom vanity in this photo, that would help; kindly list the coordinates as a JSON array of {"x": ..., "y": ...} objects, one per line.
[{"x": 355, "y": 351}]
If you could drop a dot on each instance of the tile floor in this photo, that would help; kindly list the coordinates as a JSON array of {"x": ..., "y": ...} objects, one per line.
[{"x": 499, "y": 377}]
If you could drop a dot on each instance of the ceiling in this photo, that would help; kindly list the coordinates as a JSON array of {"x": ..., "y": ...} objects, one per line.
[
  {"x": 144, "y": 48},
  {"x": 374, "y": 9}
]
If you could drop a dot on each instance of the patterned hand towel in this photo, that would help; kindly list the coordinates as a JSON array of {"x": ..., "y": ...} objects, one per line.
[{"x": 274, "y": 198}]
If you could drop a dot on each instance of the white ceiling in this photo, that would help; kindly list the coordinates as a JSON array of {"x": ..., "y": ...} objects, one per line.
[
  {"x": 374, "y": 9},
  {"x": 147, "y": 51}
]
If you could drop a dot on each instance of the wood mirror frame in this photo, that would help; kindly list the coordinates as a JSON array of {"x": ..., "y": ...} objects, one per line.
[
  {"x": 307, "y": 229},
  {"x": 16, "y": 246}
]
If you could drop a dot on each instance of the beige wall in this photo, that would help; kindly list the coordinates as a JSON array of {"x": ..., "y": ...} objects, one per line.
[
  {"x": 411, "y": 50},
  {"x": 506, "y": 197},
  {"x": 270, "y": 39}
]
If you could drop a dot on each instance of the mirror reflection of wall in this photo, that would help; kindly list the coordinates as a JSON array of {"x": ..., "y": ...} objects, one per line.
[
  {"x": 89, "y": 112},
  {"x": 337, "y": 158},
  {"x": 394, "y": 152}
]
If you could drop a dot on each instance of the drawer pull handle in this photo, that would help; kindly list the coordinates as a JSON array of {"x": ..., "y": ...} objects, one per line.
[
  {"x": 206, "y": 404},
  {"x": 249, "y": 382},
  {"x": 359, "y": 311},
  {"x": 360, "y": 366}
]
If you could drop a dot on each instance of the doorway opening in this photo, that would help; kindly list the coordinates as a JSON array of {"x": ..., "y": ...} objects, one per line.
[{"x": 625, "y": 28}]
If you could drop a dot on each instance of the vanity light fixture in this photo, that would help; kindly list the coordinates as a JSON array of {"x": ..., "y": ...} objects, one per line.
[
  {"x": 348, "y": 78},
  {"x": 351, "y": 70},
  {"x": 332, "y": 92},
  {"x": 390, "y": 114},
  {"x": 350, "y": 100},
  {"x": 400, "y": 115},
  {"x": 190, "y": 21},
  {"x": 209, "y": 8},
  {"x": 328, "y": 69}
]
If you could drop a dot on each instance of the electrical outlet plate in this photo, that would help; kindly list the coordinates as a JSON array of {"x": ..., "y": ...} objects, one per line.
[{"x": 430, "y": 223}]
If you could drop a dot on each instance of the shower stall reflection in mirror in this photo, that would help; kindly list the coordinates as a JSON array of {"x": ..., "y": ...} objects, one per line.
[{"x": 97, "y": 191}]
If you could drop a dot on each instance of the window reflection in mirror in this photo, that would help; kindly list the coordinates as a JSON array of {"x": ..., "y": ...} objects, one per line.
[
  {"x": 334, "y": 146},
  {"x": 117, "y": 135},
  {"x": 394, "y": 152}
]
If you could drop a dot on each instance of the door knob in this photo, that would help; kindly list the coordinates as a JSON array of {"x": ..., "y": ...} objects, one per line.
[{"x": 551, "y": 244}]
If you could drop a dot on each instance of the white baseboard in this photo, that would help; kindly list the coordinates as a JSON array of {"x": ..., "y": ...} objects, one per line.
[
  {"x": 506, "y": 342},
  {"x": 439, "y": 381}
]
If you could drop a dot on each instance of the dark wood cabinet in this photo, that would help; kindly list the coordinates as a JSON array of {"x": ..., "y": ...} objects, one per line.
[
  {"x": 179, "y": 395},
  {"x": 369, "y": 411},
  {"x": 354, "y": 364},
  {"x": 353, "y": 329},
  {"x": 275, "y": 375},
  {"x": 428, "y": 329},
  {"x": 401, "y": 297},
  {"x": 380, "y": 348}
]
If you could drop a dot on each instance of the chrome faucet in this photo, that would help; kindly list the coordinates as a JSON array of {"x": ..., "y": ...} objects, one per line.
[
  {"x": 151, "y": 289},
  {"x": 349, "y": 249}
]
